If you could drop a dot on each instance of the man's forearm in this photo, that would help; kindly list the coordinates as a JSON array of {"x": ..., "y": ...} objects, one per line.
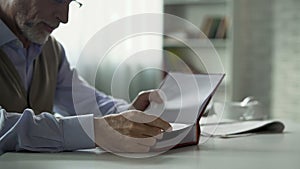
[{"x": 44, "y": 133}]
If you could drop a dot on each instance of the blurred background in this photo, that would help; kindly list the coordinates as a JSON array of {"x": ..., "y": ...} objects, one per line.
[{"x": 257, "y": 41}]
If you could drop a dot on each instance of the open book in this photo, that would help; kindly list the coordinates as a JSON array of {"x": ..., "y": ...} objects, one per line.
[{"x": 185, "y": 99}]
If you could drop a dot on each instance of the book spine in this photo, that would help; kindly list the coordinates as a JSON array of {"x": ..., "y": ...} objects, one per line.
[
  {"x": 215, "y": 27},
  {"x": 222, "y": 29}
]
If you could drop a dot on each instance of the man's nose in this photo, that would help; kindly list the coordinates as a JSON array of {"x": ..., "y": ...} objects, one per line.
[{"x": 62, "y": 13}]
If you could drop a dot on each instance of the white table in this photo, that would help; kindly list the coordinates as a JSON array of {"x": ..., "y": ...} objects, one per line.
[{"x": 276, "y": 151}]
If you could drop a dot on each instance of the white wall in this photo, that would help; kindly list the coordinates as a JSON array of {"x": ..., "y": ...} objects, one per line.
[
  {"x": 84, "y": 22},
  {"x": 286, "y": 76},
  {"x": 93, "y": 17}
]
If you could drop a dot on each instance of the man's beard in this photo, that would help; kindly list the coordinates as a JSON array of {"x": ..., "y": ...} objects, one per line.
[{"x": 30, "y": 30}]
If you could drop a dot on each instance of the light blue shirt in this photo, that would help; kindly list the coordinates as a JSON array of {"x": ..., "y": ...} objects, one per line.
[{"x": 44, "y": 132}]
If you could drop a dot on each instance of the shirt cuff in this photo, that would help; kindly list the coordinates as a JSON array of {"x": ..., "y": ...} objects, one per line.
[
  {"x": 122, "y": 108},
  {"x": 78, "y": 132}
]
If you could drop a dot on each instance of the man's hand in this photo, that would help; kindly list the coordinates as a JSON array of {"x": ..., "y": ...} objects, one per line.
[
  {"x": 142, "y": 101},
  {"x": 131, "y": 131}
]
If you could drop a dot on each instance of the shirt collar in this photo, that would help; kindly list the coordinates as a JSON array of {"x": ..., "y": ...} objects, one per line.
[{"x": 6, "y": 34}]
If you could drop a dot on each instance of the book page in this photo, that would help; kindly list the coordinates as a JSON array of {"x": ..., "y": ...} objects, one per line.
[
  {"x": 185, "y": 96},
  {"x": 179, "y": 126}
]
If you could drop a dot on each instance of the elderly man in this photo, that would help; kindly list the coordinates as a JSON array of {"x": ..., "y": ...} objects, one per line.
[{"x": 36, "y": 80}]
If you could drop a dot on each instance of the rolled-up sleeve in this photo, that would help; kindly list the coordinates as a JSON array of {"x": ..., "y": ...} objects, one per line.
[{"x": 44, "y": 133}]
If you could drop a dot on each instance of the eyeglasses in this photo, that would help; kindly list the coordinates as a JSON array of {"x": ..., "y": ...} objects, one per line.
[{"x": 68, "y": 1}]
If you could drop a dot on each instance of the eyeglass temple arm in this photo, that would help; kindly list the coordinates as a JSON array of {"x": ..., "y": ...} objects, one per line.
[{"x": 79, "y": 3}]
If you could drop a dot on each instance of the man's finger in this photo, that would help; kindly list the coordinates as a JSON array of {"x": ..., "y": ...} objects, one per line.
[
  {"x": 155, "y": 96},
  {"x": 138, "y": 144},
  {"x": 147, "y": 141},
  {"x": 145, "y": 130},
  {"x": 151, "y": 120},
  {"x": 159, "y": 123},
  {"x": 137, "y": 148}
]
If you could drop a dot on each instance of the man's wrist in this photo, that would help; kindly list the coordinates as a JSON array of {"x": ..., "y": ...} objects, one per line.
[
  {"x": 97, "y": 121},
  {"x": 78, "y": 132}
]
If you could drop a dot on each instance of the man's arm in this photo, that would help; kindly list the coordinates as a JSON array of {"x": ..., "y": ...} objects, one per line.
[
  {"x": 131, "y": 131},
  {"x": 44, "y": 133},
  {"x": 74, "y": 96},
  {"x": 119, "y": 132}
]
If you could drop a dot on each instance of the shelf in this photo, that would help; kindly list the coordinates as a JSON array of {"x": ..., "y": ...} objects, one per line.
[
  {"x": 195, "y": 43},
  {"x": 193, "y": 2}
]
